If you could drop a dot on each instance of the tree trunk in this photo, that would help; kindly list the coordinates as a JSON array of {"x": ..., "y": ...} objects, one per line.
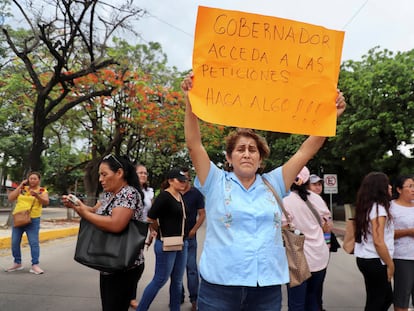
[
  {"x": 34, "y": 156},
  {"x": 39, "y": 125},
  {"x": 91, "y": 182}
]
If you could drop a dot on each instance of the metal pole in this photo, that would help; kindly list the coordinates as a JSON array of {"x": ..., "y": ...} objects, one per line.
[{"x": 330, "y": 204}]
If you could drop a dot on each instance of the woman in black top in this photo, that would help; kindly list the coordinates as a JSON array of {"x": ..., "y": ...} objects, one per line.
[{"x": 166, "y": 217}]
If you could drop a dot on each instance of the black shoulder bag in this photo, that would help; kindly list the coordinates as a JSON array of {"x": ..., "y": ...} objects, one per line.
[{"x": 110, "y": 252}]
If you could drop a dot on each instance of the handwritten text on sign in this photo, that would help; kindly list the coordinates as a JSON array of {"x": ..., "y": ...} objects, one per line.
[{"x": 265, "y": 72}]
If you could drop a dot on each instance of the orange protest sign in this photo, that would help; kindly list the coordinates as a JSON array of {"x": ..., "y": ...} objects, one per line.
[{"x": 265, "y": 73}]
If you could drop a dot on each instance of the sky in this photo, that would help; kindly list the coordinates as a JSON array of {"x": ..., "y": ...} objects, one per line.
[{"x": 384, "y": 23}]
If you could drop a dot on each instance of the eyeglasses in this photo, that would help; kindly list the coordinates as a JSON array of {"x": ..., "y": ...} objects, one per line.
[
  {"x": 181, "y": 181},
  {"x": 109, "y": 156}
]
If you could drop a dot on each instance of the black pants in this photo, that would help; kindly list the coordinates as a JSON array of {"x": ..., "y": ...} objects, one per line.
[
  {"x": 379, "y": 290},
  {"x": 117, "y": 288}
]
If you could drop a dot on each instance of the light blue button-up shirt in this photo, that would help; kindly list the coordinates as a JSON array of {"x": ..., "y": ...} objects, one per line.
[{"x": 243, "y": 244}]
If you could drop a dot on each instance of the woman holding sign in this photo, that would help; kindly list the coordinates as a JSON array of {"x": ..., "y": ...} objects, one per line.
[{"x": 243, "y": 262}]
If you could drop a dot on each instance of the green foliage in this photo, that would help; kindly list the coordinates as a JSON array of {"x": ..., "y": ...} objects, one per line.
[
  {"x": 376, "y": 124},
  {"x": 65, "y": 41},
  {"x": 378, "y": 119},
  {"x": 282, "y": 147},
  {"x": 141, "y": 113},
  {"x": 4, "y": 14},
  {"x": 63, "y": 171}
]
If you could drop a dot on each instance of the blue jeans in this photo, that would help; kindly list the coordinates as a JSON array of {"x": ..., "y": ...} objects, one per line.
[
  {"x": 307, "y": 296},
  {"x": 193, "y": 280},
  {"x": 213, "y": 297},
  {"x": 167, "y": 264},
  {"x": 32, "y": 232}
]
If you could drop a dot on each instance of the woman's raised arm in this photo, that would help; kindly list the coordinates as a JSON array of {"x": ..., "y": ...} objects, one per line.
[
  {"x": 198, "y": 154},
  {"x": 308, "y": 149}
]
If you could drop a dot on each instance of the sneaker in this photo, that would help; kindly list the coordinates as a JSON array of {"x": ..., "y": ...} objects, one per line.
[
  {"x": 15, "y": 267},
  {"x": 36, "y": 270}
]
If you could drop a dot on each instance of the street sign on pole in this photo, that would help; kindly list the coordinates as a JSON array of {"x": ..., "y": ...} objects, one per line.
[{"x": 330, "y": 183}]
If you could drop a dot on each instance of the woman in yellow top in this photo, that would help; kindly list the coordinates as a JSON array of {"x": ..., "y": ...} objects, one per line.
[{"x": 29, "y": 195}]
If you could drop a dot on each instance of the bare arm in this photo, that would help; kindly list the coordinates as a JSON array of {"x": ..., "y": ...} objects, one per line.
[
  {"x": 153, "y": 224},
  {"x": 152, "y": 231},
  {"x": 308, "y": 149},
  {"x": 12, "y": 196},
  {"x": 198, "y": 154},
  {"x": 378, "y": 225},
  {"x": 112, "y": 223},
  {"x": 403, "y": 232},
  {"x": 43, "y": 197},
  {"x": 200, "y": 220},
  {"x": 85, "y": 207}
]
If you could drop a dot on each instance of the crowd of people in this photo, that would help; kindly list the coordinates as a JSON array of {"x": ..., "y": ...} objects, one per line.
[
  {"x": 253, "y": 264},
  {"x": 243, "y": 262},
  {"x": 384, "y": 233}
]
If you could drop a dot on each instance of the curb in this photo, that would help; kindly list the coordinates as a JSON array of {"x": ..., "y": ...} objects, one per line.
[{"x": 43, "y": 236}]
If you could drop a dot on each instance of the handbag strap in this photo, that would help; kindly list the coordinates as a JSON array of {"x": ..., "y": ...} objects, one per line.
[
  {"x": 33, "y": 202},
  {"x": 31, "y": 207},
  {"x": 184, "y": 214},
  {"x": 315, "y": 213},
  {"x": 279, "y": 201}
]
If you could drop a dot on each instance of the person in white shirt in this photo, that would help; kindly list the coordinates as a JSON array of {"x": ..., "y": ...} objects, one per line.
[
  {"x": 374, "y": 240},
  {"x": 402, "y": 211},
  {"x": 148, "y": 198},
  {"x": 148, "y": 191}
]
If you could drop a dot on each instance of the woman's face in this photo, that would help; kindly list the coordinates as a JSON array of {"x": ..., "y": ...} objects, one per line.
[
  {"x": 142, "y": 174},
  {"x": 407, "y": 190},
  {"x": 33, "y": 180},
  {"x": 177, "y": 185},
  {"x": 111, "y": 181},
  {"x": 245, "y": 157},
  {"x": 316, "y": 187}
]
